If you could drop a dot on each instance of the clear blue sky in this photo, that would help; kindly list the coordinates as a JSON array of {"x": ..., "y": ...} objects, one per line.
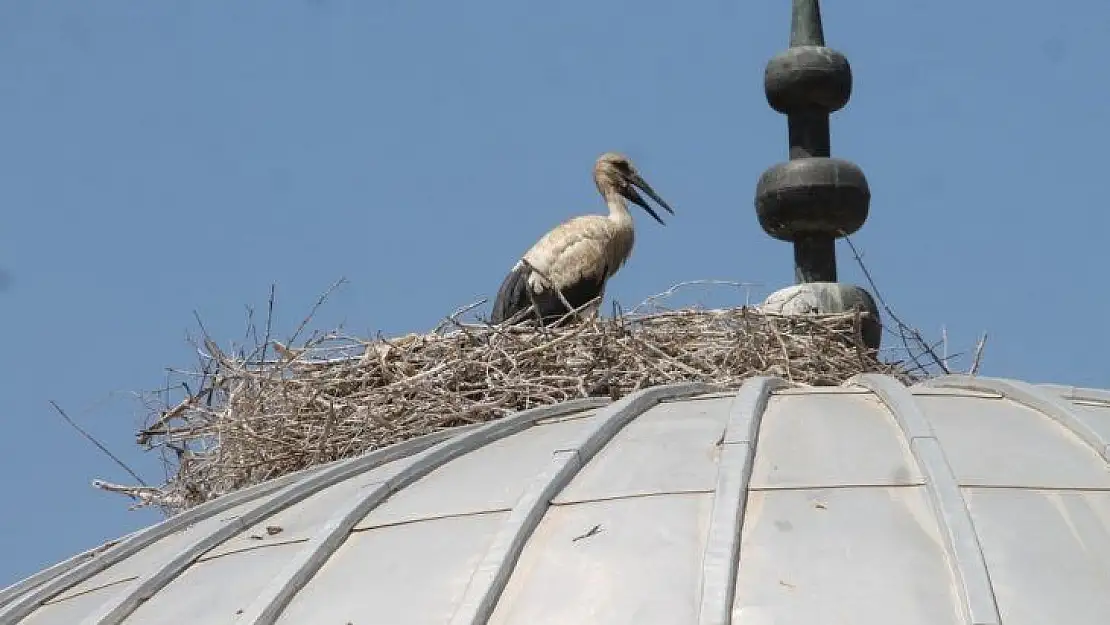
[{"x": 163, "y": 157}]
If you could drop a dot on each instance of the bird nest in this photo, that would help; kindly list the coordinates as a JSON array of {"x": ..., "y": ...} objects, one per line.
[{"x": 254, "y": 416}]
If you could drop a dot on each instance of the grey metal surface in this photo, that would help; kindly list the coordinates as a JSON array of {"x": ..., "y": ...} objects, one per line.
[
  {"x": 640, "y": 566},
  {"x": 843, "y": 555},
  {"x": 831, "y": 440},
  {"x": 1047, "y": 551},
  {"x": 665, "y": 450},
  {"x": 1007, "y": 443},
  {"x": 964, "y": 500},
  {"x": 1038, "y": 399},
  {"x": 38, "y": 579},
  {"x": 410, "y": 574},
  {"x": 965, "y": 556}
]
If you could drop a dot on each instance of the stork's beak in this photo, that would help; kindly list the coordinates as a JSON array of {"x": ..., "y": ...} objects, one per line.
[{"x": 635, "y": 198}]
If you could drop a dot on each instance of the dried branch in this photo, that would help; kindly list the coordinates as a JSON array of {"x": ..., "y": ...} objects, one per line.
[
  {"x": 915, "y": 345},
  {"x": 98, "y": 444}
]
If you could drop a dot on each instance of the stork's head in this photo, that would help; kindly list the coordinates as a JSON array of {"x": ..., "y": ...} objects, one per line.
[{"x": 614, "y": 172}]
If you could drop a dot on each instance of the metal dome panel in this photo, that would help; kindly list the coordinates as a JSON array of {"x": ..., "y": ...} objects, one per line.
[
  {"x": 960, "y": 500},
  {"x": 831, "y": 440}
]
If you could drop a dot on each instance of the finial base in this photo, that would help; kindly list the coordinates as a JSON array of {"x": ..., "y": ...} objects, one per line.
[{"x": 828, "y": 298}]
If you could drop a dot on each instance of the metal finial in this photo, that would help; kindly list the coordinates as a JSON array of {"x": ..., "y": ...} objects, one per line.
[{"x": 813, "y": 199}]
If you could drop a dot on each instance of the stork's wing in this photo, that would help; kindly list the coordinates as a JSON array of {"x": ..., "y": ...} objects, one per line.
[
  {"x": 512, "y": 297},
  {"x": 587, "y": 248}
]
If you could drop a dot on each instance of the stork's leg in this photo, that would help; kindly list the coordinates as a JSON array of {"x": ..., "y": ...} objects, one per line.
[
  {"x": 536, "y": 310},
  {"x": 594, "y": 310},
  {"x": 596, "y": 307}
]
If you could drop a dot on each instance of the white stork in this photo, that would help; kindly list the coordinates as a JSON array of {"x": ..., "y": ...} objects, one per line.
[{"x": 572, "y": 263}]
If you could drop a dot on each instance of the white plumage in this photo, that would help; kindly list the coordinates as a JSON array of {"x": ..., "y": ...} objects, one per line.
[{"x": 572, "y": 263}]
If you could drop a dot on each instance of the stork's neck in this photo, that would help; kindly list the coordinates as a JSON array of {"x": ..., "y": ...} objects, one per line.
[{"x": 618, "y": 206}]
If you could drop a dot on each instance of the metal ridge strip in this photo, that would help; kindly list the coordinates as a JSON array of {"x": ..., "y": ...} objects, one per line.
[{"x": 726, "y": 523}]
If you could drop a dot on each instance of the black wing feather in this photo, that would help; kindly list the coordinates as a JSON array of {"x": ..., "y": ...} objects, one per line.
[{"x": 513, "y": 296}]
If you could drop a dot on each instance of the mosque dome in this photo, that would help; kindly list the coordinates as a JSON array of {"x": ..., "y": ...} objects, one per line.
[
  {"x": 953, "y": 500},
  {"x": 956, "y": 500}
]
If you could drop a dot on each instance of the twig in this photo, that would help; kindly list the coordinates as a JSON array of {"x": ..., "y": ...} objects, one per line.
[
  {"x": 453, "y": 318},
  {"x": 671, "y": 291},
  {"x": 269, "y": 322},
  {"x": 977, "y": 358},
  {"x": 96, "y": 442},
  {"x": 903, "y": 328},
  {"x": 312, "y": 313}
]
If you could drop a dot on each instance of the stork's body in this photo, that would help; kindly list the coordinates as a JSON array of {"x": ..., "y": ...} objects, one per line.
[{"x": 572, "y": 263}]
